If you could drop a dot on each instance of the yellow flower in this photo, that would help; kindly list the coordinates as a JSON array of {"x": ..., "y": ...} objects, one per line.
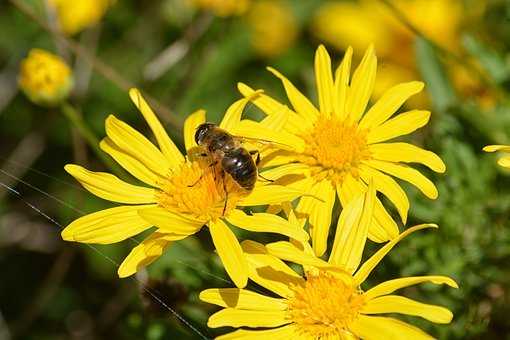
[
  {"x": 503, "y": 161},
  {"x": 183, "y": 195},
  {"x": 45, "y": 78},
  {"x": 75, "y": 16},
  {"x": 337, "y": 148},
  {"x": 223, "y": 8},
  {"x": 273, "y": 25},
  {"x": 329, "y": 301}
]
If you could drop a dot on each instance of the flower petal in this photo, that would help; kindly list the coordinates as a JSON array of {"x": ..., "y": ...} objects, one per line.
[
  {"x": 408, "y": 153},
  {"x": 504, "y": 162},
  {"x": 362, "y": 85},
  {"x": 324, "y": 81},
  {"x": 133, "y": 165},
  {"x": 389, "y": 103},
  {"x": 242, "y": 299},
  {"x": 110, "y": 187},
  {"x": 374, "y": 260},
  {"x": 190, "y": 127},
  {"x": 147, "y": 252},
  {"x": 168, "y": 148},
  {"x": 390, "y": 286},
  {"x": 408, "y": 174},
  {"x": 230, "y": 252},
  {"x": 318, "y": 206},
  {"x": 269, "y": 271},
  {"x": 378, "y": 327},
  {"x": 403, "y": 305},
  {"x": 342, "y": 84},
  {"x": 290, "y": 252},
  {"x": 285, "y": 332},
  {"x": 286, "y": 169},
  {"x": 285, "y": 140},
  {"x": 299, "y": 102},
  {"x": 235, "y": 111},
  {"x": 262, "y": 222},
  {"x": 352, "y": 231},
  {"x": 494, "y": 148},
  {"x": 171, "y": 222},
  {"x": 107, "y": 226},
  {"x": 137, "y": 145},
  {"x": 248, "y": 318},
  {"x": 270, "y": 194},
  {"x": 400, "y": 125},
  {"x": 389, "y": 187}
]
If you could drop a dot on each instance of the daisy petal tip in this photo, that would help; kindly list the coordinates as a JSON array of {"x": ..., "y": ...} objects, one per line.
[
  {"x": 67, "y": 235},
  {"x": 71, "y": 168},
  {"x": 124, "y": 272}
]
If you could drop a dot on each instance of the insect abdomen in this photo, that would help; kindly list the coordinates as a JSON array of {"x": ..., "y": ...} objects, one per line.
[{"x": 240, "y": 165}]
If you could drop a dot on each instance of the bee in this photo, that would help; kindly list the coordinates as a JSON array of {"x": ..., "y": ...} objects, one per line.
[{"x": 227, "y": 151}]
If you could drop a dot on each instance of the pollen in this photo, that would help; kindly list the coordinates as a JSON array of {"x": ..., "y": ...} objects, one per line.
[
  {"x": 198, "y": 189},
  {"x": 324, "y": 306},
  {"x": 335, "y": 148}
]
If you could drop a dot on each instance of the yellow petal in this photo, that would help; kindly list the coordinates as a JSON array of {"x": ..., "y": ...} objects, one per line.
[
  {"x": 262, "y": 222},
  {"x": 278, "y": 120},
  {"x": 352, "y": 230},
  {"x": 494, "y": 148},
  {"x": 374, "y": 260},
  {"x": 299, "y": 101},
  {"x": 242, "y": 299},
  {"x": 390, "y": 286},
  {"x": 286, "y": 169},
  {"x": 270, "y": 157},
  {"x": 248, "y": 318},
  {"x": 190, "y": 127},
  {"x": 324, "y": 81},
  {"x": 378, "y": 327},
  {"x": 234, "y": 112},
  {"x": 270, "y": 194},
  {"x": 107, "y": 226},
  {"x": 269, "y": 271},
  {"x": 389, "y": 187},
  {"x": 168, "y": 148},
  {"x": 135, "y": 144},
  {"x": 285, "y": 332},
  {"x": 171, "y": 222},
  {"x": 389, "y": 103},
  {"x": 504, "y": 162},
  {"x": 362, "y": 85},
  {"x": 147, "y": 252},
  {"x": 110, "y": 187},
  {"x": 290, "y": 252},
  {"x": 403, "y": 305},
  {"x": 408, "y": 153},
  {"x": 230, "y": 252},
  {"x": 342, "y": 84},
  {"x": 133, "y": 165},
  {"x": 285, "y": 140},
  {"x": 408, "y": 174},
  {"x": 402, "y": 124},
  {"x": 318, "y": 207}
]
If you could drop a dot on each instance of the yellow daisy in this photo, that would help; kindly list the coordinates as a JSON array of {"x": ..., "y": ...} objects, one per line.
[
  {"x": 182, "y": 196},
  {"x": 503, "y": 161},
  {"x": 337, "y": 148},
  {"x": 328, "y": 302}
]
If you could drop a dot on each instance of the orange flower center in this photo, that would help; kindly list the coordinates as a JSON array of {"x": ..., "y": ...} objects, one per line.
[
  {"x": 198, "y": 189},
  {"x": 324, "y": 306},
  {"x": 335, "y": 148}
]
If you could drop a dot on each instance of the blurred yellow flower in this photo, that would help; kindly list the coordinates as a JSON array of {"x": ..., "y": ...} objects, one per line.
[
  {"x": 328, "y": 302},
  {"x": 45, "y": 78},
  {"x": 337, "y": 148},
  {"x": 77, "y": 15},
  {"x": 273, "y": 27},
  {"x": 503, "y": 161},
  {"x": 364, "y": 22},
  {"x": 182, "y": 196},
  {"x": 223, "y": 8}
]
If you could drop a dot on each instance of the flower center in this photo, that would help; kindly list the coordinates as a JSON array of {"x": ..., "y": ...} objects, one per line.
[
  {"x": 335, "y": 147},
  {"x": 198, "y": 189},
  {"x": 324, "y": 306}
]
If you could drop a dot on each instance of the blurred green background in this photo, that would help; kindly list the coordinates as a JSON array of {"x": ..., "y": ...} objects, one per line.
[{"x": 191, "y": 54}]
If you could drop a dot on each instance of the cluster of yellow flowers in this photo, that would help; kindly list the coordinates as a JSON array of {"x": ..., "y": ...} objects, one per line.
[{"x": 311, "y": 154}]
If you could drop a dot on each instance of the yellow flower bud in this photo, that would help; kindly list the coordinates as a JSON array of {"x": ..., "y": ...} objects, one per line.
[
  {"x": 45, "y": 78},
  {"x": 75, "y": 16}
]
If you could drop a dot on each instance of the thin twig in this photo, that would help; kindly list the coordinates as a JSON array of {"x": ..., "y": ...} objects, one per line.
[{"x": 104, "y": 69}]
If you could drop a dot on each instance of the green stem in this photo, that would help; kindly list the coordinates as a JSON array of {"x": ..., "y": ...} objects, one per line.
[{"x": 86, "y": 133}]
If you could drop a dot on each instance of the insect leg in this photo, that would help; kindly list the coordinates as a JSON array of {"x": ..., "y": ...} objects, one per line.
[
  {"x": 225, "y": 190},
  {"x": 203, "y": 173},
  {"x": 256, "y": 152}
]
